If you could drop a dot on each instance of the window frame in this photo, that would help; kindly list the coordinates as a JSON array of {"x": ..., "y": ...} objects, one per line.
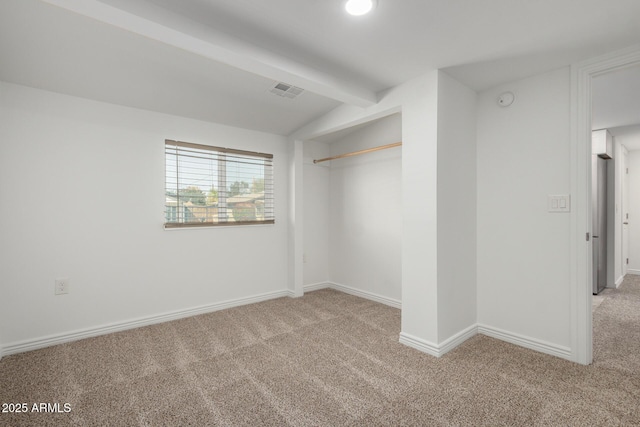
[{"x": 222, "y": 155}]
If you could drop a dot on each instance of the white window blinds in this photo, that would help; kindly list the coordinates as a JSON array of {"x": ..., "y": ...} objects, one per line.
[{"x": 214, "y": 186}]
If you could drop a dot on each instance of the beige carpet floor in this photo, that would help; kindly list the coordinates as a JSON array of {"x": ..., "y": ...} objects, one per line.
[{"x": 327, "y": 359}]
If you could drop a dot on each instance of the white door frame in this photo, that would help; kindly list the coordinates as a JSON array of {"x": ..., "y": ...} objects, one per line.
[
  {"x": 581, "y": 286},
  {"x": 624, "y": 211}
]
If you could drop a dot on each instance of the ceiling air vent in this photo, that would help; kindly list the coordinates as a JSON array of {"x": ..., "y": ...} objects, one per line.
[{"x": 286, "y": 90}]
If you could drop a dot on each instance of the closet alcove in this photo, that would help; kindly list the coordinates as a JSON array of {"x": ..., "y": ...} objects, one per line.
[{"x": 353, "y": 210}]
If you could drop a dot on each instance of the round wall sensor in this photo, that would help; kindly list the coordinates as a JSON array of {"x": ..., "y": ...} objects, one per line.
[{"x": 505, "y": 99}]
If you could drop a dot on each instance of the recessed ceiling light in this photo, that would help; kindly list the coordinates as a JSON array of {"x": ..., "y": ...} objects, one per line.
[{"x": 359, "y": 7}]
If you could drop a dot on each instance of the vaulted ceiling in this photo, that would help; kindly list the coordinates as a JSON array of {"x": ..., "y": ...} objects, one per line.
[{"x": 217, "y": 60}]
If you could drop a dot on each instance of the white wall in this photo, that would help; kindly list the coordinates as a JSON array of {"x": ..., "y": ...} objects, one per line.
[
  {"x": 612, "y": 164},
  {"x": 365, "y": 215},
  {"x": 436, "y": 308},
  {"x": 353, "y": 212},
  {"x": 295, "y": 221},
  {"x": 82, "y": 190},
  {"x": 622, "y": 230},
  {"x": 626, "y": 196},
  {"x": 419, "y": 213},
  {"x": 417, "y": 99},
  {"x": 616, "y": 177},
  {"x": 634, "y": 212},
  {"x": 524, "y": 251},
  {"x": 456, "y": 207},
  {"x": 316, "y": 214}
]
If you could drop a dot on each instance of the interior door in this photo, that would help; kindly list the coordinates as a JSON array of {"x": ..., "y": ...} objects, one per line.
[
  {"x": 625, "y": 211},
  {"x": 599, "y": 228},
  {"x": 595, "y": 238},
  {"x": 602, "y": 223}
]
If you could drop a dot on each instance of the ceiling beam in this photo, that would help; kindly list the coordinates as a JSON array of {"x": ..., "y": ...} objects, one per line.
[{"x": 180, "y": 32}]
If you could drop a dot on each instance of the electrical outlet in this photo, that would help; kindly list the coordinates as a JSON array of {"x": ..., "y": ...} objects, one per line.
[{"x": 61, "y": 286}]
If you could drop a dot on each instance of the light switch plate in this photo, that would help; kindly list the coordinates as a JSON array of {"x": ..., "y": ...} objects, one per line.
[{"x": 559, "y": 203}]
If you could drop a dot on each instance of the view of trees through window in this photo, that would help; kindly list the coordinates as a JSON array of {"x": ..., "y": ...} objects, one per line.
[{"x": 214, "y": 186}]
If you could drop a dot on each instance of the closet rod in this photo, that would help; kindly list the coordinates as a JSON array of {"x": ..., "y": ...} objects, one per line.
[{"x": 355, "y": 153}]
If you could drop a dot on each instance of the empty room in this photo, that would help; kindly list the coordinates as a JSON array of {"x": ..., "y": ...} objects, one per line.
[{"x": 319, "y": 213}]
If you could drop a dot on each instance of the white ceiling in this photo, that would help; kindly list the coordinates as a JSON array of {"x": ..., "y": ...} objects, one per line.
[
  {"x": 46, "y": 47},
  {"x": 616, "y": 105},
  {"x": 629, "y": 136},
  {"x": 217, "y": 60}
]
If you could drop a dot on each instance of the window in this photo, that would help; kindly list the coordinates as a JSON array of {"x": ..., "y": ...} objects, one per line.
[{"x": 213, "y": 186}]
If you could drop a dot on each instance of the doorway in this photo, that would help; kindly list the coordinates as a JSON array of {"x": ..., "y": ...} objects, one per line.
[
  {"x": 616, "y": 113},
  {"x": 583, "y": 75}
]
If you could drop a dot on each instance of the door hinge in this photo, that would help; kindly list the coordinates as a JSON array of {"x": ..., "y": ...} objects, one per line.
[
  {"x": 627, "y": 261},
  {"x": 587, "y": 237}
]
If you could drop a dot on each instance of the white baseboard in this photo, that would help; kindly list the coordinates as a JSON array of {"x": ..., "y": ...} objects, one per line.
[
  {"x": 316, "y": 286},
  {"x": 353, "y": 291},
  {"x": 449, "y": 344},
  {"x": 619, "y": 282},
  {"x": 634, "y": 272},
  {"x": 454, "y": 341},
  {"x": 34, "y": 344},
  {"x": 527, "y": 342},
  {"x": 438, "y": 350},
  {"x": 366, "y": 294},
  {"x": 420, "y": 344}
]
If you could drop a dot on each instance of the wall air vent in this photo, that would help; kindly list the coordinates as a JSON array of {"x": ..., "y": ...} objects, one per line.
[{"x": 286, "y": 90}]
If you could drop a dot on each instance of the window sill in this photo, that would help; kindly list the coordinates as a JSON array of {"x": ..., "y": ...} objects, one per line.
[{"x": 200, "y": 227}]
